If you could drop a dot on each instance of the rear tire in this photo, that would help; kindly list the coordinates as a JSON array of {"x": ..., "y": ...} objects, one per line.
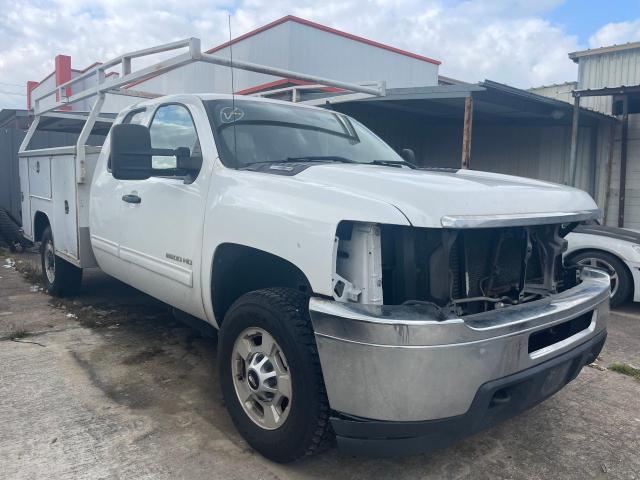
[
  {"x": 621, "y": 280},
  {"x": 60, "y": 277},
  {"x": 274, "y": 320}
]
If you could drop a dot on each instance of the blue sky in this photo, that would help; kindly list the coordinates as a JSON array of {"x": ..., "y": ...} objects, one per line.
[
  {"x": 584, "y": 17},
  {"x": 523, "y": 43}
]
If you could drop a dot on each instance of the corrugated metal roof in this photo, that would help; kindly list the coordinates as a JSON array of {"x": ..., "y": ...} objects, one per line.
[{"x": 603, "y": 50}]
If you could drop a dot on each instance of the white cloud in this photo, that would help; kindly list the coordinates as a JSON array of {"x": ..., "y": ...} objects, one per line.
[
  {"x": 616, "y": 33},
  {"x": 504, "y": 40}
]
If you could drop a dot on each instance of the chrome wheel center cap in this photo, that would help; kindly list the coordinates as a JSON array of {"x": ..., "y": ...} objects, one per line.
[{"x": 253, "y": 380}]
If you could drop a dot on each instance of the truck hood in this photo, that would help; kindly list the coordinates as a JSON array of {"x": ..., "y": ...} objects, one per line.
[{"x": 431, "y": 198}]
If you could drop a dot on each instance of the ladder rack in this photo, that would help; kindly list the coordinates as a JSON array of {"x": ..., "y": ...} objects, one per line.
[
  {"x": 193, "y": 54},
  {"x": 118, "y": 86}
]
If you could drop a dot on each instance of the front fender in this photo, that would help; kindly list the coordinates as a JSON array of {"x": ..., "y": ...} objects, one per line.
[{"x": 286, "y": 217}]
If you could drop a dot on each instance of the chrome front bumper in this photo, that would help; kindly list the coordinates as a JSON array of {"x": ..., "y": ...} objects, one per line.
[{"x": 399, "y": 363}]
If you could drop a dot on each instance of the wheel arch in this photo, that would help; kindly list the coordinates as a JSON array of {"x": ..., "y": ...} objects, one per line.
[
  {"x": 40, "y": 224},
  {"x": 237, "y": 269}
]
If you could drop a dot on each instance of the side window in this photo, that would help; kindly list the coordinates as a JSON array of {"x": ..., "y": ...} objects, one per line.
[{"x": 172, "y": 127}]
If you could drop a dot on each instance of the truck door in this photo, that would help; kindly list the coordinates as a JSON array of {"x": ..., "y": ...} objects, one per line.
[
  {"x": 163, "y": 216},
  {"x": 107, "y": 208}
]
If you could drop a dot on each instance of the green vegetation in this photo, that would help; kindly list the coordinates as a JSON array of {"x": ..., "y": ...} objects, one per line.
[{"x": 626, "y": 369}]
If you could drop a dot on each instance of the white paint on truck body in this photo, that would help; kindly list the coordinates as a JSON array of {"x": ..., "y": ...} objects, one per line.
[{"x": 292, "y": 217}]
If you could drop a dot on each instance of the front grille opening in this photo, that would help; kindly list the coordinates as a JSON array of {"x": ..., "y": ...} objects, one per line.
[
  {"x": 468, "y": 271},
  {"x": 557, "y": 333}
]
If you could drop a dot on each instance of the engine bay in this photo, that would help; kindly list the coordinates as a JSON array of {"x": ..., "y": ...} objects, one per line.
[{"x": 455, "y": 272}]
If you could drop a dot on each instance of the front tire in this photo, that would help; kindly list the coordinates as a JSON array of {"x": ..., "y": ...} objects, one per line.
[
  {"x": 60, "y": 278},
  {"x": 270, "y": 374}
]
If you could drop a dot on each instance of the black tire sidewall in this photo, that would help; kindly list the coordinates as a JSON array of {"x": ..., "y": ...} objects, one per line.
[
  {"x": 625, "y": 281},
  {"x": 52, "y": 288},
  {"x": 67, "y": 276},
  {"x": 291, "y": 440}
]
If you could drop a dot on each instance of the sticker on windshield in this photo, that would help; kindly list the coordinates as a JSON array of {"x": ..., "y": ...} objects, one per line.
[{"x": 230, "y": 114}]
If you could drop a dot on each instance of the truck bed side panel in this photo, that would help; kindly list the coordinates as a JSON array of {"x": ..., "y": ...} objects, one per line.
[{"x": 65, "y": 220}]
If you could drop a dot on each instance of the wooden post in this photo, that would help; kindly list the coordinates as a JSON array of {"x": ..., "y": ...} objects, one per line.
[
  {"x": 466, "y": 132},
  {"x": 573, "y": 155},
  {"x": 623, "y": 160}
]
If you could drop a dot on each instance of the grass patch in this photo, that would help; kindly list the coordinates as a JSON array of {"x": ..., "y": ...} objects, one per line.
[{"x": 625, "y": 369}]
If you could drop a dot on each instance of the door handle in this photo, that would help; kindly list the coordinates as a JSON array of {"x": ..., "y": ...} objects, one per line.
[{"x": 131, "y": 198}]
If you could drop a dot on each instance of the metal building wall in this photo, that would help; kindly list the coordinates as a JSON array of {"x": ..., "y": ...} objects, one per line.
[
  {"x": 561, "y": 91},
  {"x": 9, "y": 186},
  {"x": 615, "y": 69},
  {"x": 611, "y": 69},
  {"x": 297, "y": 47},
  {"x": 533, "y": 151},
  {"x": 632, "y": 197}
]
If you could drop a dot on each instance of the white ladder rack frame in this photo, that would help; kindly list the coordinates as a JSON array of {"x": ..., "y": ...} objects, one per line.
[{"x": 193, "y": 54}]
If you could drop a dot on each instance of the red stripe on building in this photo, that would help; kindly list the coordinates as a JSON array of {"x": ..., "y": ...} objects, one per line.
[{"x": 324, "y": 28}]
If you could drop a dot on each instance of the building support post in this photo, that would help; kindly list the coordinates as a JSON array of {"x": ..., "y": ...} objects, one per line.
[
  {"x": 466, "y": 133},
  {"x": 607, "y": 183},
  {"x": 593, "y": 160},
  {"x": 623, "y": 160},
  {"x": 573, "y": 155}
]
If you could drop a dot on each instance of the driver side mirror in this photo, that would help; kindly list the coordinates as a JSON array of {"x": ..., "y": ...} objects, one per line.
[{"x": 130, "y": 152}]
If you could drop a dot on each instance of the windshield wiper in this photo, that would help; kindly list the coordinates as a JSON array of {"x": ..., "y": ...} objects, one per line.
[
  {"x": 393, "y": 163},
  {"x": 321, "y": 158}
]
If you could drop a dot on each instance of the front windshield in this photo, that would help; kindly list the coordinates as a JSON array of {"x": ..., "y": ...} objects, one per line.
[{"x": 258, "y": 132}]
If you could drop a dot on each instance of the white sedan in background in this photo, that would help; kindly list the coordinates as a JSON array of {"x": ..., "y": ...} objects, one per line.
[{"x": 615, "y": 250}]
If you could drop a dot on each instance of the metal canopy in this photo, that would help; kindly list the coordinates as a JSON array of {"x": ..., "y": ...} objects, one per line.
[
  {"x": 607, "y": 91},
  {"x": 492, "y": 103}
]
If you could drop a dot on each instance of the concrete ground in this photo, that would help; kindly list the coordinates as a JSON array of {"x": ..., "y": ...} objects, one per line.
[{"x": 109, "y": 385}]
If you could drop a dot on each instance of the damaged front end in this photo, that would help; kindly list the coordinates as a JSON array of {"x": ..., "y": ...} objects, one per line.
[
  {"x": 434, "y": 334},
  {"x": 456, "y": 271},
  {"x": 462, "y": 272}
]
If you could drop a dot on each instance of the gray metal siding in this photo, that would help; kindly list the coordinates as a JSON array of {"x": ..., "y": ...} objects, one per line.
[
  {"x": 322, "y": 53},
  {"x": 632, "y": 198},
  {"x": 559, "y": 92},
  {"x": 298, "y": 48},
  {"x": 9, "y": 186},
  {"x": 269, "y": 47},
  {"x": 533, "y": 151},
  {"x": 607, "y": 70}
]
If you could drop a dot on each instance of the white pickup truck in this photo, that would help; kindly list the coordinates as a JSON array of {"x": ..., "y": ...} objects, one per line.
[{"x": 395, "y": 308}]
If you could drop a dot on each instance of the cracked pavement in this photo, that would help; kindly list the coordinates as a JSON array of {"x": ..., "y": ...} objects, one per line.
[{"x": 113, "y": 387}]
